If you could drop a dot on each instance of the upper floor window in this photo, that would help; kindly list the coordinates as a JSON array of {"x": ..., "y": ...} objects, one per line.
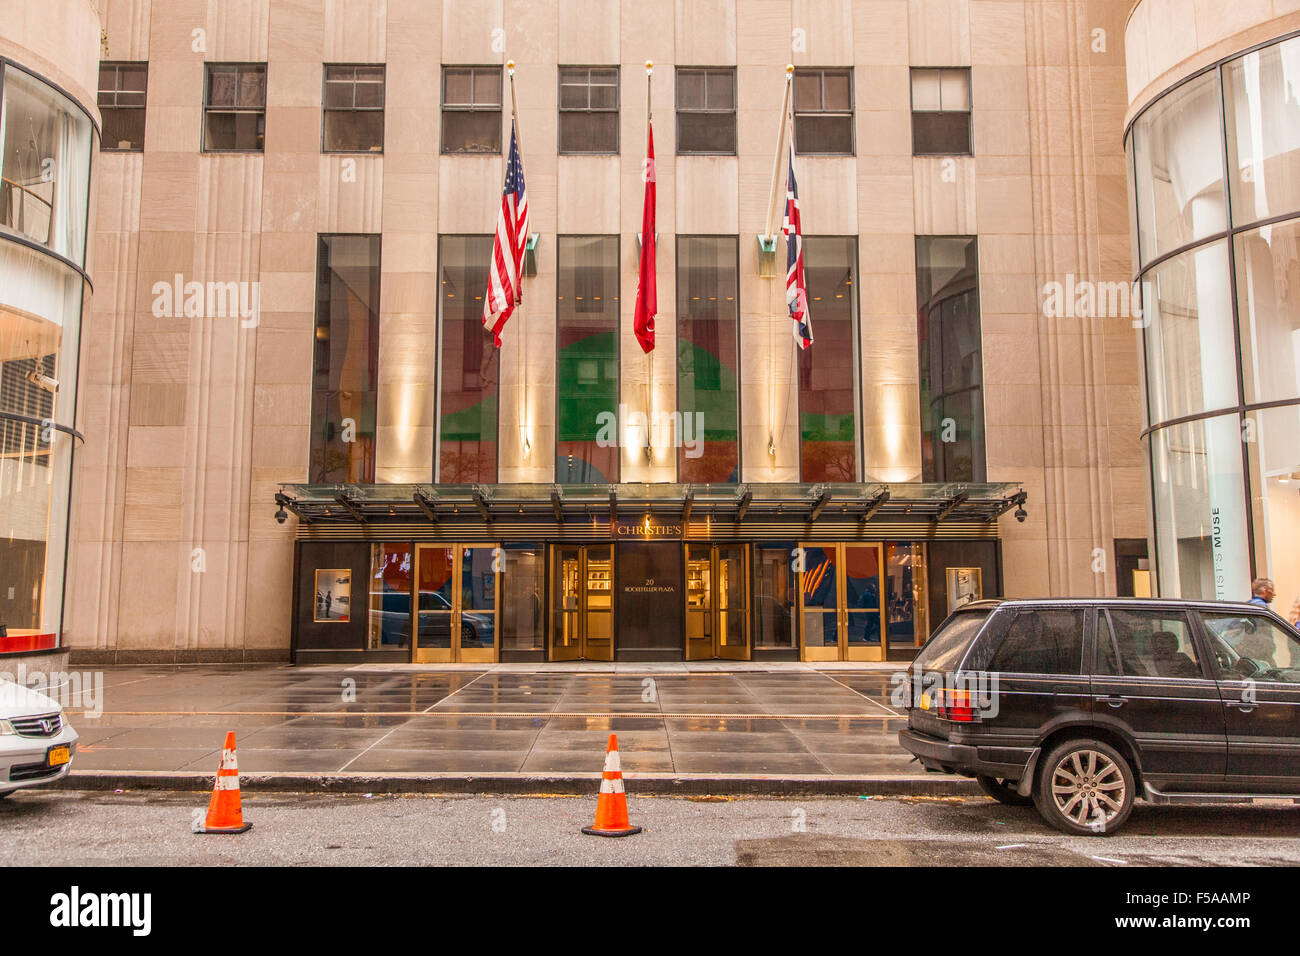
[
  {"x": 354, "y": 109},
  {"x": 471, "y": 109},
  {"x": 706, "y": 110},
  {"x": 588, "y": 109},
  {"x": 121, "y": 104},
  {"x": 951, "y": 358},
  {"x": 234, "y": 108},
  {"x": 823, "y": 111},
  {"x": 941, "y": 112}
]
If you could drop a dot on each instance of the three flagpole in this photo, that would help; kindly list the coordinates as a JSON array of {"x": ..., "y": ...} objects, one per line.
[{"x": 783, "y": 127}]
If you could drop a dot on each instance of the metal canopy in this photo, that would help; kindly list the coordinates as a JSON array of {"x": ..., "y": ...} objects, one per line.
[{"x": 786, "y": 503}]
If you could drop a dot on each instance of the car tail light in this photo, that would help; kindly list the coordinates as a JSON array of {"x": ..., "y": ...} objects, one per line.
[{"x": 956, "y": 705}]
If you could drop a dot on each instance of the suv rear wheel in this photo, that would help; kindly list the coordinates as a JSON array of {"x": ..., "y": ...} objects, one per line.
[
  {"x": 1003, "y": 791},
  {"x": 1085, "y": 787}
]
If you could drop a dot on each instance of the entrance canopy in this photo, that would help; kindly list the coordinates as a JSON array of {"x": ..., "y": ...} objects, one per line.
[{"x": 643, "y": 510}]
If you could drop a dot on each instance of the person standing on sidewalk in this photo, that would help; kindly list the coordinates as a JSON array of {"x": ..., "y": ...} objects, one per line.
[{"x": 1261, "y": 592}]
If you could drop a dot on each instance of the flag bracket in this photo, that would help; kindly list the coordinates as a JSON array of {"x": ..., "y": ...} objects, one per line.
[
  {"x": 638, "y": 241},
  {"x": 767, "y": 257},
  {"x": 530, "y": 254}
]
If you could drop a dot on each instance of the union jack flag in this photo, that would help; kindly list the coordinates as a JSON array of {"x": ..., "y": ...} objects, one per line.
[
  {"x": 505, "y": 287},
  {"x": 796, "y": 288}
]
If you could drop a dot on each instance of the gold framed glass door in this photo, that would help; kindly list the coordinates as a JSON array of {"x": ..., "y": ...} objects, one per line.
[
  {"x": 582, "y": 623},
  {"x": 840, "y": 611},
  {"x": 456, "y": 603},
  {"x": 717, "y": 602}
]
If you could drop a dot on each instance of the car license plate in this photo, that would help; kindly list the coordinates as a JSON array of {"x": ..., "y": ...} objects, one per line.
[
  {"x": 59, "y": 755},
  {"x": 925, "y": 701}
]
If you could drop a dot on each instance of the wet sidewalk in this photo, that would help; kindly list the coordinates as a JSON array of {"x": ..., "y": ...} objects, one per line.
[{"x": 781, "y": 721}]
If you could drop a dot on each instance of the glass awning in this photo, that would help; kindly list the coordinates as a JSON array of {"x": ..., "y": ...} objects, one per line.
[{"x": 802, "y": 502}]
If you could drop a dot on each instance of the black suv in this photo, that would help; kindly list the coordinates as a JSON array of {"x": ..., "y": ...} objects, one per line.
[{"x": 1075, "y": 704}]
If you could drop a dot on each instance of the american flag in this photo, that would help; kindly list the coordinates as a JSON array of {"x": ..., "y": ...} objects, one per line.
[
  {"x": 505, "y": 289},
  {"x": 796, "y": 288}
]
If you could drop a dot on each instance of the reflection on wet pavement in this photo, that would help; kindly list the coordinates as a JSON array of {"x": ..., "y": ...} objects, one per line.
[{"x": 331, "y": 720}]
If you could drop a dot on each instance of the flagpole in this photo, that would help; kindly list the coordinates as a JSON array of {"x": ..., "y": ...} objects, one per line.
[
  {"x": 780, "y": 143},
  {"x": 650, "y": 356},
  {"x": 519, "y": 285}
]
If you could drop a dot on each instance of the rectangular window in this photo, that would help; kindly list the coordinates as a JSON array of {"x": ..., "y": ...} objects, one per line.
[
  {"x": 708, "y": 328},
  {"x": 469, "y": 371},
  {"x": 354, "y": 109},
  {"x": 706, "y": 110},
  {"x": 121, "y": 104},
  {"x": 941, "y": 118},
  {"x": 587, "y": 357},
  {"x": 823, "y": 111},
  {"x": 471, "y": 109},
  {"x": 589, "y": 109},
  {"x": 1039, "y": 641},
  {"x": 389, "y": 601},
  {"x": 951, "y": 364},
  {"x": 346, "y": 360},
  {"x": 234, "y": 107},
  {"x": 1146, "y": 643},
  {"x": 828, "y": 397},
  {"x": 774, "y": 601}
]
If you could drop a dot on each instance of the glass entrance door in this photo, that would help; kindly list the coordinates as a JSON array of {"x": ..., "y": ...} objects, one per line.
[
  {"x": 840, "y": 609},
  {"x": 456, "y": 603},
  {"x": 717, "y": 602},
  {"x": 583, "y": 621}
]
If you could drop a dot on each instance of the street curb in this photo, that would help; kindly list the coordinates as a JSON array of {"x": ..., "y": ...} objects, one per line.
[{"x": 802, "y": 785}]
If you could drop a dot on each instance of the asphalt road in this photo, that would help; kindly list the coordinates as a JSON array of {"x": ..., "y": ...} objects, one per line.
[{"x": 75, "y": 828}]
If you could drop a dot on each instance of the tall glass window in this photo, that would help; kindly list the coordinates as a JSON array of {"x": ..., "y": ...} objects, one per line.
[
  {"x": 470, "y": 368},
  {"x": 46, "y": 146},
  {"x": 708, "y": 314},
  {"x": 44, "y": 166},
  {"x": 587, "y": 356},
  {"x": 1223, "y": 363},
  {"x": 828, "y": 379},
  {"x": 389, "y": 599},
  {"x": 346, "y": 360},
  {"x": 951, "y": 361}
]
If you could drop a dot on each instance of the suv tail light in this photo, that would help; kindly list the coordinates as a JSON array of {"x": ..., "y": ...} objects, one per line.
[{"x": 955, "y": 705}]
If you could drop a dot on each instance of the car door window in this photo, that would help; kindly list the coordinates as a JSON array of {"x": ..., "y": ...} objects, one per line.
[
  {"x": 1253, "y": 646},
  {"x": 1041, "y": 641},
  {"x": 1148, "y": 643}
]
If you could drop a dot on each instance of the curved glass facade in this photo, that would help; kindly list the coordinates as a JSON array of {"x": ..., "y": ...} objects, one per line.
[
  {"x": 46, "y": 145},
  {"x": 1216, "y": 195}
]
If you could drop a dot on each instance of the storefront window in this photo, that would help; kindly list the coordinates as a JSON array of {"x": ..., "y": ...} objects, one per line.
[
  {"x": 1274, "y": 458},
  {"x": 1179, "y": 160},
  {"x": 41, "y": 301},
  {"x": 1190, "y": 341},
  {"x": 1262, "y": 99},
  {"x": 707, "y": 360},
  {"x": 586, "y": 316},
  {"x": 828, "y": 397},
  {"x": 389, "y": 598},
  {"x": 469, "y": 369},
  {"x": 523, "y": 602},
  {"x": 905, "y": 594},
  {"x": 1200, "y": 515},
  {"x": 346, "y": 359},
  {"x": 1268, "y": 304},
  {"x": 774, "y": 597},
  {"x": 45, "y": 149},
  {"x": 951, "y": 358}
]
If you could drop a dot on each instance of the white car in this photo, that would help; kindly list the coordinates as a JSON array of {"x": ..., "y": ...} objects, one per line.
[{"x": 36, "y": 742}]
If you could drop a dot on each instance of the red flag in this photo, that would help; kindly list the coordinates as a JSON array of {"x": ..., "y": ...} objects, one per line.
[{"x": 647, "y": 300}]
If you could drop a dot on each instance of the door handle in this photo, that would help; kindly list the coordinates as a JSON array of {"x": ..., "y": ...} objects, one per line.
[{"x": 1112, "y": 700}]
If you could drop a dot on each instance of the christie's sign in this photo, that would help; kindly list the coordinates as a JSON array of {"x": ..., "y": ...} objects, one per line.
[{"x": 645, "y": 529}]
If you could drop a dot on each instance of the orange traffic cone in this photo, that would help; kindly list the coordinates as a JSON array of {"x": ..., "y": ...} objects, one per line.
[
  {"x": 611, "y": 805},
  {"x": 224, "y": 812}
]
